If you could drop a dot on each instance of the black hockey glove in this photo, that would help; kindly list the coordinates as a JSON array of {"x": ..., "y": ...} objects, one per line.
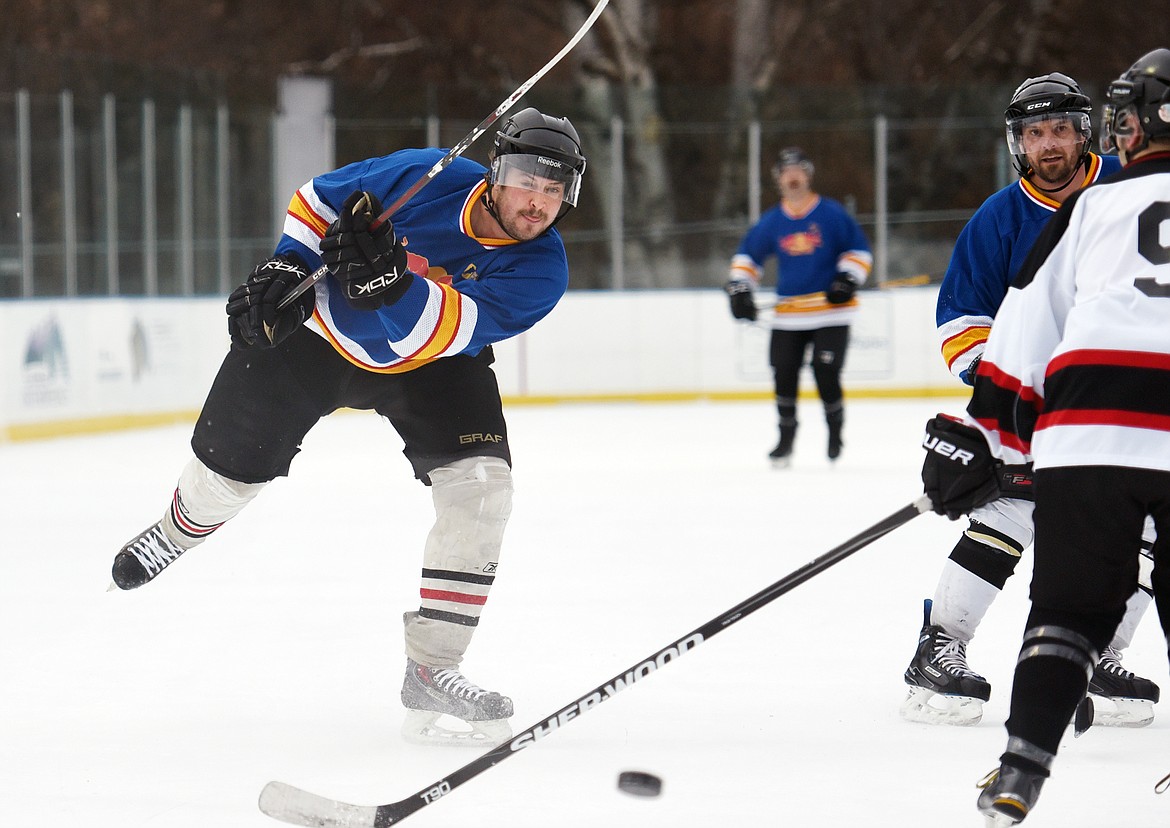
[
  {"x": 369, "y": 262},
  {"x": 1016, "y": 481},
  {"x": 743, "y": 302},
  {"x": 253, "y": 318},
  {"x": 959, "y": 473},
  {"x": 841, "y": 290},
  {"x": 968, "y": 376}
]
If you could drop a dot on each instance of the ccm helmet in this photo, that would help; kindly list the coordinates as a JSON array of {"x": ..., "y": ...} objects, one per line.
[
  {"x": 532, "y": 146},
  {"x": 1139, "y": 98},
  {"x": 1045, "y": 98}
]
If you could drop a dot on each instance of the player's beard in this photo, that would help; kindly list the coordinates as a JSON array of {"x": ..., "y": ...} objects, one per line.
[
  {"x": 520, "y": 228},
  {"x": 1059, "y": 173}
]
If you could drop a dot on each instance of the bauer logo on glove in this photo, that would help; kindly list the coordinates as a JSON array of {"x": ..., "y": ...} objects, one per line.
[{"x": 959, "y": 473}]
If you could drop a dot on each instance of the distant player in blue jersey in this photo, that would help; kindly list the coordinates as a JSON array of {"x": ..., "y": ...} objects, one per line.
[
  {"x": 822, "y": 258},
  {"x": 1049, "y": 135},
  {"x": 403, "y": 325}
]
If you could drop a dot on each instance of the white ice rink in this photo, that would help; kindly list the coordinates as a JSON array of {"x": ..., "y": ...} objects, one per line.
[{"x": 274, "y": 651}]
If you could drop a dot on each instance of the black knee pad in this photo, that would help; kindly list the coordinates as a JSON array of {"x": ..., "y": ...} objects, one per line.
[{"x": 990, "y": 563}]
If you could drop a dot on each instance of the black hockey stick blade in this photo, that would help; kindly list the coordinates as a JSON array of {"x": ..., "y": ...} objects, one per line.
[{"x": 297, "y": 807}]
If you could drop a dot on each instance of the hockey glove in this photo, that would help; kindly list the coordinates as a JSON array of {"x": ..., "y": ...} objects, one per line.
[
  {"x": 743, "y": 302},
  {"x": 968, "y": 376},
  {"x": 959, "y": 473},
  {"x": 369, "y": 261},
  {"x": 1016, "y": 481},
  {"x": 841, "y": 290},
  {"x": 253, "y": 318}
]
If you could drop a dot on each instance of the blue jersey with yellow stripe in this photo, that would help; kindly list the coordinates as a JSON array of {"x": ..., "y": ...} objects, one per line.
[
  {"x": 988, "y": 254},
  {"x": 811, "y": 245},
  {"x": 476, "y": 291}
]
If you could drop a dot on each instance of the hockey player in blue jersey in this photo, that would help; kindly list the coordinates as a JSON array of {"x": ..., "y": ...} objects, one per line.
[
  {"x": 1076, "y": 377},
  {"x": 403, "y": 324},
  {"x": 1049, "y": 135},
  {"x": 822, "y": 258}
]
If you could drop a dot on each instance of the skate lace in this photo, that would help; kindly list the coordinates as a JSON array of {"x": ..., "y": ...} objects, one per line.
[
  {"x": 455, "y": 683},
  {"x": 154, "y": 551},
  {"x": 952, "y": 656},
  {"x": 1111, "y": 663}
]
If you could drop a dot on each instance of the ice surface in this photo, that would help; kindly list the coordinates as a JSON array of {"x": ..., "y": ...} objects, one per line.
[{"x": 274, "y": 651}]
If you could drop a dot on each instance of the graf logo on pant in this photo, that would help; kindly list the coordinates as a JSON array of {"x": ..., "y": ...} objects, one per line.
[{"x": 468, "y": 439}]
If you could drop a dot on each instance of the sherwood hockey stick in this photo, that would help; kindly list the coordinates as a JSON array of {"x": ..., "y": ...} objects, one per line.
[
  {"x": 457, "y": 150},
  {"x": 298, "y": 807}
]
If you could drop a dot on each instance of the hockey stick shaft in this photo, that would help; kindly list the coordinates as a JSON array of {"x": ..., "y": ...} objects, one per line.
[
  {"x": 298, "y": 807},
  {"x": 457, "y": 150}
]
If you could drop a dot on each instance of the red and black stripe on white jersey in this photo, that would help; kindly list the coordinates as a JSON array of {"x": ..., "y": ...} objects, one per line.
[{"x": 1077, "y": 368}]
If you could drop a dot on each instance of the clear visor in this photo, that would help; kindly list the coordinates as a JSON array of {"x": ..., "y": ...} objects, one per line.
[
  {"x": 1039, "y": 132},
  {"x": 1116, "y": 120},
  {"x": 540, "y": 174}
]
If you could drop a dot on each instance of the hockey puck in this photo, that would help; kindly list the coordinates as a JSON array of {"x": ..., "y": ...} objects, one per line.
[{"x": 639, "y": 783}]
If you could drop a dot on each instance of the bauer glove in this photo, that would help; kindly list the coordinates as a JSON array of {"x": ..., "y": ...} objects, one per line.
[
  {"x": 959, "y": 473},
  {"x": 253, "y": 316},
  {"x": 367, "y": 260},
  {"x": 743, "y": 303}
]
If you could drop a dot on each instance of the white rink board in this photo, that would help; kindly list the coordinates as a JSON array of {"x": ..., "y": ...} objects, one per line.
[{"x": 101, "y": 359}]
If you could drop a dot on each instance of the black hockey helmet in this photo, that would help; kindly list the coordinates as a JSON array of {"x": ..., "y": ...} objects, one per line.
[
  {"x": 531, "y": 145},
  {"x": 793, "y": 157},
  {"x": 1043, "y": 98},
  {"x": 1139, "y": 98}
]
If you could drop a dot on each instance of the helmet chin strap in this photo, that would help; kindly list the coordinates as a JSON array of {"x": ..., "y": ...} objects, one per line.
[{"x": 1083, "y": 161}]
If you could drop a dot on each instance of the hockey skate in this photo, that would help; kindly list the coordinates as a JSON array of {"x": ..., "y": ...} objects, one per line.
[
  {"x": 835, "y": 444},
  {"x": 144, "y": 557},
  {"x": 781, "y": 456},
  {"x": 1009, "y": 793},
  {"x": 1119, "y": 697},
  {"x": 430, "y": 694},
  {"x": 943, "y": 689}
]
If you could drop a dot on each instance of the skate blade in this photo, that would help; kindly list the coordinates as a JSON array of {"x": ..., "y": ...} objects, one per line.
[
  {"x": 1119, "y": 712},
  {"x": 928, "y": 707},
  {"x": 781, "y": 462},
  {"x": 426, "y": 727},
  {"x": 999, "y": 821}
]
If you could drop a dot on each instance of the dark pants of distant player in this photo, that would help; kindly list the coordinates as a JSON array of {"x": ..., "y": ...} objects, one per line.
[
  {"x": 263, "y": 403},
  {"x": 1089, "y": 523},
  {"x": 788, "y": 352}
]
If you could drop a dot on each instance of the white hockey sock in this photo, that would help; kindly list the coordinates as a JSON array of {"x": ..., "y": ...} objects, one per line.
[
  {"x": 1135, "y": 608},
  {"x": 203, "y": 501},
  {"x": 473, "y": 500},
  {"x": 961, "y": 599}
]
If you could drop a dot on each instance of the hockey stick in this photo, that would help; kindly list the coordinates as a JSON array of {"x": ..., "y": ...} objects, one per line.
[
  {"x": 457, "y": 150},
  {"x": 298, "y": 807}
]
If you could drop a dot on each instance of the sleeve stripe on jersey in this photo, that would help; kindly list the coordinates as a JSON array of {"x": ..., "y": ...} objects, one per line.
[
  {"x": 743, "y": 266},
  {"x": 955, "y": 346},
  {"x": 1005, "y": 406},
  {"x": 856, "y": 263},
  {"x": 301, "y": 210}
]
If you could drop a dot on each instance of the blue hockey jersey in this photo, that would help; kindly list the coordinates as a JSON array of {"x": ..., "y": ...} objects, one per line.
[
  {"x": 811, "y": 246},
  {"x": 475, "y": 291},
  {"x": 988, "y": 254}
]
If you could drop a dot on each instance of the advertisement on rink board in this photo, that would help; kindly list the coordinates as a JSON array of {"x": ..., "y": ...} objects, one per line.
[
  {"x": 89, "y": 365},
  {"x": 103, "y": 361}
]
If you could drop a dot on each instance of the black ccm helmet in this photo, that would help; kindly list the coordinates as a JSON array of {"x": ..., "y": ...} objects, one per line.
[
  {"x": 1140, "y": 97},
  {"x": 1042, "y": 98},
  {"x": 532, "y": 144}
]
